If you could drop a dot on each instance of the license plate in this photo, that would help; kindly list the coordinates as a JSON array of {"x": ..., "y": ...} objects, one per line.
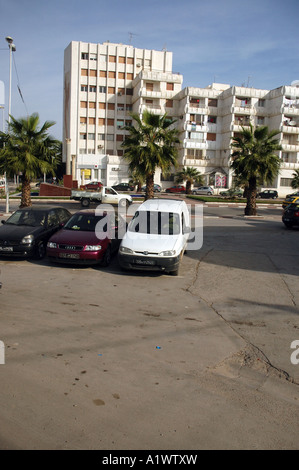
[
  {"x": 145, "y": 262},
  {"x": 6, "y": 248},
  {"x": 69, "y": 255}
]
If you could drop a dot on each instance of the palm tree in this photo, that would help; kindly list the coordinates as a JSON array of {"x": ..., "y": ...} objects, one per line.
[
  {"x": 150, "y": 145},
  {"x": 191, "y": 176},
  {"x": 295, "y": 180},
  {"x": 254, "y": 159},
  {"x": 28, "y": 150}
]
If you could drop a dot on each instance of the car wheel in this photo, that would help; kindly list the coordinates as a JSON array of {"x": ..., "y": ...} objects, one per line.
[
  {"x": 107, "y": 257},
  {"x": 123, "y": 202},
  {"x": 85, "y": 202},
  {"x": 40, "y": 250}
]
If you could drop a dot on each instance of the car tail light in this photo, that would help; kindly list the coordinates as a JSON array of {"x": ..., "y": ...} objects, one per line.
[{"x": 296, "y": 214}]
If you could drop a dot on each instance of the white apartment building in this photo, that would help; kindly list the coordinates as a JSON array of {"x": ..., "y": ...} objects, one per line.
[{"x": 103, "y": 83}]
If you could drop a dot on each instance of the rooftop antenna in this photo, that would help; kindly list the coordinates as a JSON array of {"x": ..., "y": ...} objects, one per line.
[{"x": 130, "y": 37}]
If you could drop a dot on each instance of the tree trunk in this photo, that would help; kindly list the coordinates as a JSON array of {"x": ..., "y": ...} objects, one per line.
[
  {"x": 250, "y": 208},
  {"x": 149, "y": 193},
  {"x": 188, "y": 187},
  {"x": 26, "y": 193}
]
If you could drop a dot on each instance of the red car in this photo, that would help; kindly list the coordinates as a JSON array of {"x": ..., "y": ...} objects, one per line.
[
  {"x": 93, "y": 186},
  {"x": 87, "y": 238},
  {"x": 176, "y": 189}
]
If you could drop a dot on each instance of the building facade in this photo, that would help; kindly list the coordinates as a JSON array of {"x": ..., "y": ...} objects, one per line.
[{"x": 104, "y": 83}]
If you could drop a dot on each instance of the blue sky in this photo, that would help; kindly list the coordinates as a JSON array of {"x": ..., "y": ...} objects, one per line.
[{"x": 254, "y": 43}]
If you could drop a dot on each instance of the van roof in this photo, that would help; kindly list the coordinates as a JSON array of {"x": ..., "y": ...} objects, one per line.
[{"x": 164, "y": 205}]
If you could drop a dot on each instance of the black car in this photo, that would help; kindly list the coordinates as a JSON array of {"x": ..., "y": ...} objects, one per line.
[
  {"x": 268, "y": 194},
  {"x": 296, "y": 194},
  {"x": 124, "y": 187},
  {"x": 290, "y": 216},
  {"x": 26, "y": 232}
]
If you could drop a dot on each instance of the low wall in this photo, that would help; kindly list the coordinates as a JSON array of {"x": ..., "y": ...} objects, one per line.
[{"x": 47, "y": 189}]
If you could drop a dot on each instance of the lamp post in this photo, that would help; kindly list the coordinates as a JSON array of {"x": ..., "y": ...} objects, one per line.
[{"x": 12, "y": 49}]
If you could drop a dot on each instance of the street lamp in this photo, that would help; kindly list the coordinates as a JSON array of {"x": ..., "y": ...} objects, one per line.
[{"x": 12, "y": 49}]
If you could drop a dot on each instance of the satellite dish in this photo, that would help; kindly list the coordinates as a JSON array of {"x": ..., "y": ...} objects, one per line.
[
  {"x": 295, "y": 83},
  {"x": 292, "y": 123}
]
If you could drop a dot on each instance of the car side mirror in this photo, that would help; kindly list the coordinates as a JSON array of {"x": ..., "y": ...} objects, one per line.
[{"x": 3, "y": 221}]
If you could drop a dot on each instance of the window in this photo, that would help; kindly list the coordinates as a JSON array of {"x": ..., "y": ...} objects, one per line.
[
  {"x": 121, "y": 75},
  {"x": 102, "y": 106},
  {"x": 130, "y": 76},
  {"x": 84, "y": 73},
  {"x": 101, "y": 122},
  {"x": 83, "y": 120},
  {"x": 149, "y": 87},
  {"x": 91, "y": 136},
  {"x": 92, "y": 56},
  {"x": 103, "y": 74},
  {"x": 92, "y": 88},
  {"x": 83, "y": 136},
  {"x": 120, "y": 91},
  {"x": 84, "y": 88},
  {"x": 169, "y": 104},
  {"x": 112, "y": 58},
  {"x": 110, "y": 137},
  {"x": 83, "y": 104},
  {"x": 211, "y": 137},
  {"x": 111, "y": 74},
  {"x": 103, "y": 59},
  {"x": 110, "y": 122},
  {"x": 119, "y": 138},
  {"x": 91, "y": 120},
  {"x": 285, "y": 182},
  {"x": 111, "y": 106},
  {"x": 111, "y": 90},
  {"x": 119, "y": 124},
  {"x": 92, "y": 105},
  {"x": 130, "y": 60},
  {"x": 102, "y": 89},
  {"x": 84, "y": 56},
  {"x": 212, "y": 102},
  {"x": 261, "y": 103},
  {"x": 121, "y": 60},
  {"x": 101, "y": 136},
  {"x": 129, "y": 91},
  {"x": 170, "y": 86},
  {"x": 93, "y": 73}
]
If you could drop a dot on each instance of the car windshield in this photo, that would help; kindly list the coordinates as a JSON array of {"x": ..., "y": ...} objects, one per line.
[
  {"x": 155, "y": 223},
  {"x": 84, "y": 223},
  {"x": 27, "y": 217}
]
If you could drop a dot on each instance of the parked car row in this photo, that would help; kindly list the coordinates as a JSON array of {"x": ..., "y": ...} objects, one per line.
[{"x": 88, "y": 237}]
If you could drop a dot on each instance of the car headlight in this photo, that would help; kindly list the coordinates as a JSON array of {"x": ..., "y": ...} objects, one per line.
[
  {"x": 93, "y": 248},
  {"x": 167, "y": 253},
  {"x": 52, "y": 245},
  {"x": 28, "y": 240},
  {"x": 124, "y": 249}
]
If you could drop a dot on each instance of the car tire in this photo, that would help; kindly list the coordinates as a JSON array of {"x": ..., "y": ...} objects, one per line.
[
  {"x": 107, "y": 257},
  {"x": 85, "y": 202},
  {"x": 123, "y": 203},
  {"x": 40, "y": 250}
]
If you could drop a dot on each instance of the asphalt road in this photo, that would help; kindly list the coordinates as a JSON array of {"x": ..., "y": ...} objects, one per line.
[{"x": 100, "y": 359}]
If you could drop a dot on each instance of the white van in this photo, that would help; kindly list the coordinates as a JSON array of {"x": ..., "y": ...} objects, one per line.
[
  {"x": 2, "y": 183},
  {"x": 157, "y": 236}
]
